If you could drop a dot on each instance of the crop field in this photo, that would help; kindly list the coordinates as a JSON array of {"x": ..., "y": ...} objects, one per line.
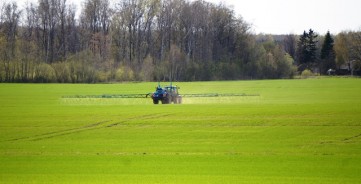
[{"x": 295, "y": 131}]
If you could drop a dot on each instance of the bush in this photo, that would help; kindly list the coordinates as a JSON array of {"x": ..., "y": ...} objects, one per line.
[
  {"x": 147, "y": 70},
  {"x": 124, "y": 74},
  {"x": 62, "y": 72},
  {"x": 44, "y": 73},
  {"x": 103, "y": 76},
  {"x": 306, "y": 73}
]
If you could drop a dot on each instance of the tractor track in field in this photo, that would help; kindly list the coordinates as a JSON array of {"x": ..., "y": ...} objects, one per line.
[
  {"x": 89, "y": 127},
  {"x": 350, "y": 138},
  {"x": 60, "y": 132},
  {"x": 345, "y": 140}
]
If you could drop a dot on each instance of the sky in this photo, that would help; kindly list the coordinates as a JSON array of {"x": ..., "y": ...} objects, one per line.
[
  {"x": 295, "y": 16},
  {"x": 288, "y": 16}
]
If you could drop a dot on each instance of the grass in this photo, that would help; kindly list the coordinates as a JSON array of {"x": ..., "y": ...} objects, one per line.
[{"x": 296, "y": 131}]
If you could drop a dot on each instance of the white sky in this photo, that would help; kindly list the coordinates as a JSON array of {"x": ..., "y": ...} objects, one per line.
[
  {"x": 295, "y": 16},
  {"x": 288, "y": 16}
]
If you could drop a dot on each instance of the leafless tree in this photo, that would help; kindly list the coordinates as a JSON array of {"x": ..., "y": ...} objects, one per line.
[
  {"x": 10, "y": 16},
  {"x": 289, "y": 44}
]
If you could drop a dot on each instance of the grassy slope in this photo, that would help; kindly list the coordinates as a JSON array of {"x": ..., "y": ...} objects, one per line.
[{"x": 297, "y": 131}]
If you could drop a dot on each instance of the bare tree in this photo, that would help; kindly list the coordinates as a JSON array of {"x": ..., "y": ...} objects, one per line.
[
  {"x": 49, "y": 19},
  {"x": 341, "y": 48},
  {"x": 95, "y": 20},
  {"x": 8, "y": 31},
  {"x": 61, "y": 39},
  {"x": 134, "y": 21},
  {"x": 356, "y": 46},
  {"x": 289, "y": 44},
  {"x": 71, "y": 32},
  {"x": 28, "y": 47},
  {"x": 348, "y": 49}
]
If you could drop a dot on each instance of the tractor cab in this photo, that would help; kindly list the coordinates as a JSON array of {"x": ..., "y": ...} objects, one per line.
[{"x": 172, "y": 89}]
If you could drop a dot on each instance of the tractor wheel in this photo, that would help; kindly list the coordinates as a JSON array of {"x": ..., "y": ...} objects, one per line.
[
  {"x": 175, "y": 100},
  {"x": 155, "y": 102},
  {"x": 165, "y": 101}
]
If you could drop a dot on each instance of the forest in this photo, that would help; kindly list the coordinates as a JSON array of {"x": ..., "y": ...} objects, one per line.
[{"x": 156, "y": 40}]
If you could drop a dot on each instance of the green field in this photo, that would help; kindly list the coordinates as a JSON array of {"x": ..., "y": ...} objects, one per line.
[{"x": 296, "y": 131}]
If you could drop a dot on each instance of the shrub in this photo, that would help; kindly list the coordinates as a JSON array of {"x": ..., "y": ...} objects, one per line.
[
  {"x": 62, "y": 72},
  {"x": 103, "y": 76},
  {"x": 306, "y": 73},
  {"x": 44, "y": 73},
  {"x": 124, "y": 74}
]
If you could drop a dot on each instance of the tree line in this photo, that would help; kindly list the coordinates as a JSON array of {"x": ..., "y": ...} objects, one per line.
[
  {"x": 144, "y": 40},
  {"x": 327, "y": 53}
]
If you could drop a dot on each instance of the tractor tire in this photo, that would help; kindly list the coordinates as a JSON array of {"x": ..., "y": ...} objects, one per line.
[
  {"x": 168, "y": 99},
  {"x": 165, "y": 101},
  {"x": 155, "y": 101},
  {"x": 175, "y": 100}
]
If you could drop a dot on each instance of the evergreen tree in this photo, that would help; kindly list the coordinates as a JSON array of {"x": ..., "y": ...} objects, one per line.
[
  {"x": 307, "y": 49},
  {"x": 312, "y": 46},
  {"x": 327, "y": 54}
]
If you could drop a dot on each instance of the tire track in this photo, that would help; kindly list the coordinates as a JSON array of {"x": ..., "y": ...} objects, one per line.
[
  {"x": 89, "y": 127},
  {"x": 345, "y": 140},
  {"x": 60, "y": 132},
  {"x": 144, "y": 117},
  {"x": 350, "y": 138}
]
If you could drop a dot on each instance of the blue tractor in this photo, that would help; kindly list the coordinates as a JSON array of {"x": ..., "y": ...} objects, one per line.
[{"x": 167, "y": 95}]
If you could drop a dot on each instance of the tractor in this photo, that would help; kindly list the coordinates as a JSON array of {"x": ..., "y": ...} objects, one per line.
[{"x": 167, "y": 95}]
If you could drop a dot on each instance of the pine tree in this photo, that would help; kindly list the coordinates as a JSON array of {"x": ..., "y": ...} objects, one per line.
[
  {"x": 327, "y": 54},
  {"x": 312, "y": 47},
  {"x": 307, "y": 49}
]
